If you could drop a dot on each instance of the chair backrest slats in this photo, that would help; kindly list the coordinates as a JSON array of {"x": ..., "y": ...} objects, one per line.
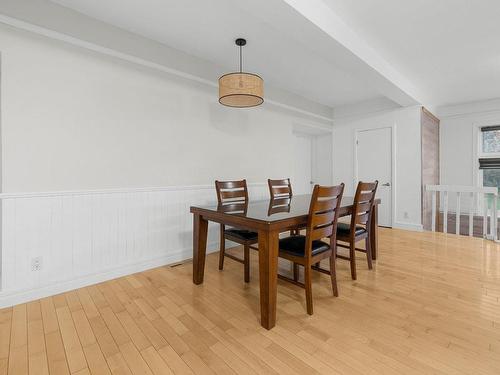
[
  {"x": 323, "y": 213},
  {"x": 362, "y": 218},
  {"x": 232, "y": 184},
  {"x": 365, "y": 197},
  {"x": 279, "y": 205},
  {"x": 280, "y": 188},
  {"x": 324, "y": 218},
  {"x": 322, "y": 232},
  {"x": 364, "y": 206},
  {"x": 233, "y": 194},
  {"x": 363, "y": 203},
  {"x": 229, "y": 192},
  {"x": 325, "y": 205}
]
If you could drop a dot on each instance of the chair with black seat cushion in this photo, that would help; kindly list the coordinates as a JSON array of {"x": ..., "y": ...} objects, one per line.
[
  {"x": 359, "y": 228},
  {"x": 232, "y": 197},
  {"x": 309, "y": 250}
]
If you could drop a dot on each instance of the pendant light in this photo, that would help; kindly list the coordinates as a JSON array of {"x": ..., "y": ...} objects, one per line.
[{"x": 240, "y": 89}]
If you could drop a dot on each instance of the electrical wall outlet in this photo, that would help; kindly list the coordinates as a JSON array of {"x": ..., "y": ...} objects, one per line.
[
  {"x": 36, "y": 264},
  {"x": 406, "y": 216}
]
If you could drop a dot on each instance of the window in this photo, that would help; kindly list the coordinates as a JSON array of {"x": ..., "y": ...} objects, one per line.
[
  {"x": 489, "y": 159},
  {"x": 490, "y": 139}
]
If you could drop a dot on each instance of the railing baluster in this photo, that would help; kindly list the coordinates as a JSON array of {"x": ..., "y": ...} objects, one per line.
[
  {"x": 478, "y": 196},
  {"x": 495, "y": 217},
  {"x": 445, "y": 213},
  {"x": 471, "y": 215},
  {"x": 485, "y": 215},
  {"x": 434, "y": 211}
]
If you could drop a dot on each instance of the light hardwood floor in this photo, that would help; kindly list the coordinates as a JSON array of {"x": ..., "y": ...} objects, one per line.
[{"x": 431, "y": 305}]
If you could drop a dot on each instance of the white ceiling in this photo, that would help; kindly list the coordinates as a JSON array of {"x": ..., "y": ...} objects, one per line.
[
  {"x": 207, "y": 29},
  {"x": 449, "y": 48},
  {"x": 344, "y": 52}
]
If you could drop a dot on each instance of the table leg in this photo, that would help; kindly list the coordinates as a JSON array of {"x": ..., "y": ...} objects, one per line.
[
  {"x": 268, "y": 271},
  {"x": 374, "y": 232},
  {"x": 200, "y": 231}
]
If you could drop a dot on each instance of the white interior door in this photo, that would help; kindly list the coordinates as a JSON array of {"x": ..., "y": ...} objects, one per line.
[
  {"x": 302, "y": 181},
  {"x": 374, "y": 162}
]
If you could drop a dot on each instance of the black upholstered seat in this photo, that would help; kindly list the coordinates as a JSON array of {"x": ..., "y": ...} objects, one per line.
[
  {"x": 344, "y": 229},
  {"x": 295, "y": 245},
  {"x": 243, "y": 234}
]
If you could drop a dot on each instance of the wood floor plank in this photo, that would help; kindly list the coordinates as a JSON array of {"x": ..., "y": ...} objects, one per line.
[
  {"x": 138, "y": 337},
  {"x": 71, "y": 342},
  {"x": 118, "y": 365},
  {"x": 251, "y": 360},
  {"x": 117, "y": 331},
  {"x": 104, "y": 337},
  {"x": 111, "y": 297},
  {"x": 49, "y": 316},
  {"x": 151, "y": 331},
  {"x": 83, "y": 328},
  {"x": 18, "y": 352},
  {"x": 56, "y": 356},
  {"x": 5, "y": 327},
  {"x": 430, "y": 306},
  {"x": 196, "y": 363},
  {"x": 95, "y": 359},
  {"x": 174, "y": 361},
  {"x": 37, "y": 353},
  {"x": 155, "y": 362},
  {"x": 87, "y": 303},
  {"x": 134, "y": 359},
  {"x": 73, "y": 300}
]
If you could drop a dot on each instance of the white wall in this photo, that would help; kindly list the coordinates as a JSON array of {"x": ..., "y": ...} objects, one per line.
[
  {"x": 458, "y": 146},
  {"x": 77, "y": 120},
  {"x": 407, "y": 173},
  {"x": 74, "y": 120},
  {"x": 323, "y": 155},
  {"x": 458, "y": 143}
]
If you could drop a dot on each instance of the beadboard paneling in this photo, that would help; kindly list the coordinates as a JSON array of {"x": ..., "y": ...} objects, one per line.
[{"x": 82, "y": 237}]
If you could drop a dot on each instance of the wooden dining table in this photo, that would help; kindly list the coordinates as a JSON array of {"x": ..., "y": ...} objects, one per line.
[{"x": 268, "y": 224}]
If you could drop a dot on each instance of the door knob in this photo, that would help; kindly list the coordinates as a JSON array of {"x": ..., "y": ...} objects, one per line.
[{"x": 386, "y": 184}]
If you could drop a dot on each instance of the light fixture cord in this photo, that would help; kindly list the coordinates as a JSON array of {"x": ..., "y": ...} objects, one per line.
[{"x": 240, "y": 59}]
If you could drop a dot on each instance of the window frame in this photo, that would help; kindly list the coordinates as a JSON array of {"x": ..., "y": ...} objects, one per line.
[{"x": 479, "y": 154}]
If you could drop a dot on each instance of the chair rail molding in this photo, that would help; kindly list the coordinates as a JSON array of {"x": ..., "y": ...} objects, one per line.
[{"x": 57, "y": 241}]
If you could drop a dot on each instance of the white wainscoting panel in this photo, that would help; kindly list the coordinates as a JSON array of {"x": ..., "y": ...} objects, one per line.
[{"x": 91, "y": 236}]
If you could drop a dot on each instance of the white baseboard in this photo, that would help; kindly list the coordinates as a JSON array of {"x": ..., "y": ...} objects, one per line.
[
  {"x": 409, "y": 226},
  {"x": 8, "y": 299}
]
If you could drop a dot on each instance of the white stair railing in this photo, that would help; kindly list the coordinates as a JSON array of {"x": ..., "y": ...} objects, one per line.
[{"x": 476, "y": 194}]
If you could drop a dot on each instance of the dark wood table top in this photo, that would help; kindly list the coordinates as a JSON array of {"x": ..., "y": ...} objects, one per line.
[{"x": 269, "y": 211}]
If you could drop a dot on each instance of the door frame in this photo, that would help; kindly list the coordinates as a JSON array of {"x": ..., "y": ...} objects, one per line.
[{"x": 392, "y": 128}]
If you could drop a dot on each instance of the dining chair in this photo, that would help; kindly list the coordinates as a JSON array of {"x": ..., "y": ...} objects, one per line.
[
  {"x": 359, "y": 227},
  {"x": 310, "y": 250},
  {"x": 232, "y": 197},
  {"x": 282, "y": 189}
]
